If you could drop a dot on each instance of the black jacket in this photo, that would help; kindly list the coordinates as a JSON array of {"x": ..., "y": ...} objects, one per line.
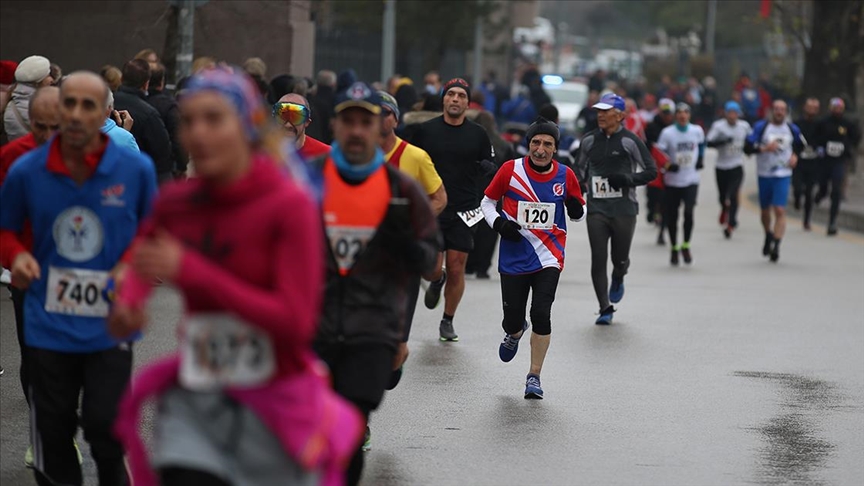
[
  {"x": 322, "y": 105},
  {"x": 148, "y": 129},
  {"x": 837, "y": 137},
  {"x": 367, "y": 306},
  {"x": 168, "y": 110}
]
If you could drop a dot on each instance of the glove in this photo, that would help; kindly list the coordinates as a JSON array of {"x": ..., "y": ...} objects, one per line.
[
  {"x": 575, "y": 210},
  {"x": 488, "y": 167},
  {"x": 509, "y": 230},
  {"x": 618, "y": 181},
  {"x": 673, "y": 168},
  {"x": 700, "y": 163}
]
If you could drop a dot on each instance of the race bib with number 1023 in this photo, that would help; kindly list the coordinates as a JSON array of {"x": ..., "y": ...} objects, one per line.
[
  {"x": 347, "y": 242},
  {"x": 602, "y": 189},
  {"x": 471, "y": 217},
  {"x": 220, "y": 350},
  {"x": 536, "y": 215},
  {"x": 76, "y": 292}
]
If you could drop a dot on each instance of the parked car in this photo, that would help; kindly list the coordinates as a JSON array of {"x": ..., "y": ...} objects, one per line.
[{"x": 569, "y": 97}]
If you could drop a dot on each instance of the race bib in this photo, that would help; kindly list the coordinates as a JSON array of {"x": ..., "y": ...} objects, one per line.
[
  {"x": 834, "y": 149},
  {"x": 471, "y": 217},
  {"x": 684, "y": 159},
  {"x": 219, "y": 350},
  {"x": 536, "y": 215},
  {"x": 347, "y": 242},
  {"x": 76, "y": 292},
  {"x": 602, "y": 189},
  {"x": 732, "y": 149}
]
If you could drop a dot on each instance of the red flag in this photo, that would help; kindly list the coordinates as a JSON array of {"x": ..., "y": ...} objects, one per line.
[{"x": 765, "y": 11}]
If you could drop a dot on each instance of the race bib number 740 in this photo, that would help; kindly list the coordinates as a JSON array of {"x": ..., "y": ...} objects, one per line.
[{"x": 76, "y": 292}]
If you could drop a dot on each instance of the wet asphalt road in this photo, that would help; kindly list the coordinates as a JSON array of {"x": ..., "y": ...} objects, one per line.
[{"x": 731, "y": 371}]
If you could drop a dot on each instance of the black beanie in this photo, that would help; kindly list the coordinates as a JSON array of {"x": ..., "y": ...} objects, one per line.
[
  {"x": 542, "y": 126},
  {"x": 457, "y": 83}
]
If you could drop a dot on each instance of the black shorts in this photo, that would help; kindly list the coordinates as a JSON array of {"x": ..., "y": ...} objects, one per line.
[
  {"x": 456, "y": 234},
  {"x": 676, "y": 195}
]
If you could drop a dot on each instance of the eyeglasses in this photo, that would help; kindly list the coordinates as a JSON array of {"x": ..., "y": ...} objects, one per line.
[{"x": 293, "y": 113}]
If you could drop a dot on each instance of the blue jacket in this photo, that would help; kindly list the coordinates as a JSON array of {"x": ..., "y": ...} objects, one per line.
[{"x": 122, "y": 137}]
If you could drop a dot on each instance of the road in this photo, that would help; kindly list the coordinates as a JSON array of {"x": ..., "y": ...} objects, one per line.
[{"x": 730, "y": 371}]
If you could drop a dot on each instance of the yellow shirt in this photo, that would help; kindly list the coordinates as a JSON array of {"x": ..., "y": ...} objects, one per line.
[{"x": 417, "y": 164}]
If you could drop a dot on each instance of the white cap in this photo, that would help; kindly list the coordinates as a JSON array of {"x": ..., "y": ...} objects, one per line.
[{"x": 33, "y": 69}]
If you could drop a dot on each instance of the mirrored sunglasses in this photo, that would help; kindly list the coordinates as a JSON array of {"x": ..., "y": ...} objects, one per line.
[{"x": 293, "y": 113}]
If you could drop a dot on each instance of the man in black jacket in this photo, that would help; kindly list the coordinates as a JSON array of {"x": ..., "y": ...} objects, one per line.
[
  {"x": 166, "y": 105},
  {"x": 149, "y": 130},
  {"x": 838, "y": 137}
]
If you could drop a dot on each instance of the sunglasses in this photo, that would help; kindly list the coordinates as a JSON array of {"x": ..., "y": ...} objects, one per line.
[{"x": 293, "y": 113}]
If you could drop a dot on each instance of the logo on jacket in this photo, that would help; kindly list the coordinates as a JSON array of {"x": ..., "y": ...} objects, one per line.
[
  {"x": 112, "y": 196},
  {"x": 78, "y": 234},
  {"x": 842, "y": 130},
  {"x": 558, "y": 189}
]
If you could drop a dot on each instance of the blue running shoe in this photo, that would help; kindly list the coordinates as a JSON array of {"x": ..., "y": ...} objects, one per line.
[
  {"x": 533, "y": 391},
  {"x": 616, "y": 290},
  {"x": 507, "y": 349},
  {"x": 605, "y": 316}
]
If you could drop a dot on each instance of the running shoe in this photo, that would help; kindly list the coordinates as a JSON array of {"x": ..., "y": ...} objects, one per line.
[
  {"x": 367, "y": 441},
  {"x": 395, "y": 376},
  {"x": 727, "y": 232},
  {"x": 616, "y": 290},
  {"x": 807, "y": 226},
  {"x": 533, "y": 390},
  {"x": 685, "y": 252},
  {"x": 510, "y": 345},
  {"x": 28, "y": 457},
  {"x": 483, "y": 275},
  {"x": 766, "y": 248},
  {"x": 433, "y": 293},
  {"x": 605, "y": 316},
  {"x": 673, "y": 259},
  {"x": 775, "y": 251},
  {"x": 724, "y": 216},
  {"x": 832, "y": 230},
  {"x": 445, "y": 329},
  {"x": 661, "y": 241}
]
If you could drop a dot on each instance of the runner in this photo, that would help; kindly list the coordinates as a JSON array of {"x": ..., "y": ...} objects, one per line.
[
  {"x": 415, "y": 163},
  {"x": 462, "y": 153},
  {"x": 655, "y": 190},
  {"x": 838, "y": 138},
  {"x": 294, "y": 114},
  {"x": 727, "y": 135},
  {"x": 809, "y": 167},
  {"x": 777, "y": 145},
  {"x": 243, "y": 401},
  {"x": 613, "y": 161},
  {"x": 534, "y": 191},
  {"x": 84, "y": 195},
  {"x": 684, "y": 143},
  {"x": 381, "y": 237}
]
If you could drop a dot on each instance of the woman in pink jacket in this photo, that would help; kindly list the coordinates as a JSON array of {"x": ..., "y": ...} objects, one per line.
[{"x": 244, "y": 401}]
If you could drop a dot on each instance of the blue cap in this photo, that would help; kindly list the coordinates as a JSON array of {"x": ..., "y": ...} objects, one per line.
[
  {"x": 359, "y": 95},
  {"x": 733, "y": 106},
  {"x": 609, "y": 101}
]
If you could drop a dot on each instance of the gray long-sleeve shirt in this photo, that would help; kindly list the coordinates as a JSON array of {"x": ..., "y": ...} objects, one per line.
[{"x": 602, "y": 155}]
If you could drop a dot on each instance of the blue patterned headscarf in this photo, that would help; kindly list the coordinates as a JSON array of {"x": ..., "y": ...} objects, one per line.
[{"x": 240, "y": 91}]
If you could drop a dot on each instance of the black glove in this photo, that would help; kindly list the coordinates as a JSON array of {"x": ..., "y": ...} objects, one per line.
[
  {"x": 488, "y": 167},
  {"x": 574, "y": 208},
  {"x": 619, "y": 181},
  {"x": 700, "y": 163},
  {"x": 509, "y": 230},
  {"x": 673, "y": 168}
]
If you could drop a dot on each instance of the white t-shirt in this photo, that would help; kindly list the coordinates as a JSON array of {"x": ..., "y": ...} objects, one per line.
[
  {"x": 682, "y": 149},
  {"x": 730, "y": 155},
  {"x": 775, "y": 164}
]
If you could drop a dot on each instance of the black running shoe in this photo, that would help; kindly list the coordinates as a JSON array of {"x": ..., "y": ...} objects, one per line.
[
  {"x": 674, "y": 258},
  {"x": 832, "y": 230},
  {"x": 433, "y": 293},
  {"x": 775, "y": 252},
  {"x": 395, "y": 376},
  {"x": 769, "y": 241},
  {"x": 688, "y": 258},
  {"x": 446, "y": 331}
]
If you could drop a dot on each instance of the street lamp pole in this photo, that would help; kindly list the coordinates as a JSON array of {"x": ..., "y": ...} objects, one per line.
[
  {"x": 186, "y": 27},
  {"x": 388, "y": 41}
]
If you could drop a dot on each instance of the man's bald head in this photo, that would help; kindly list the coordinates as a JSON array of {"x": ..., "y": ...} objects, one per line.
[
  {"x": 294, "y": 98},
  {"x": 44, "y": 113},
  {"x": 87, "y": 81}
]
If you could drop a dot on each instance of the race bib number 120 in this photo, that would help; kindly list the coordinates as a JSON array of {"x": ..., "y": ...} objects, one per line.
[
  {"x": 76, "y": 292},
  {"x": 219, "y": 350},
  {"x": 536, "y": 215}
]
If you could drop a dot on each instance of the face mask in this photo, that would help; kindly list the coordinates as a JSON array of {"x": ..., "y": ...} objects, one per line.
[{"x": 431, "y": 89}]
